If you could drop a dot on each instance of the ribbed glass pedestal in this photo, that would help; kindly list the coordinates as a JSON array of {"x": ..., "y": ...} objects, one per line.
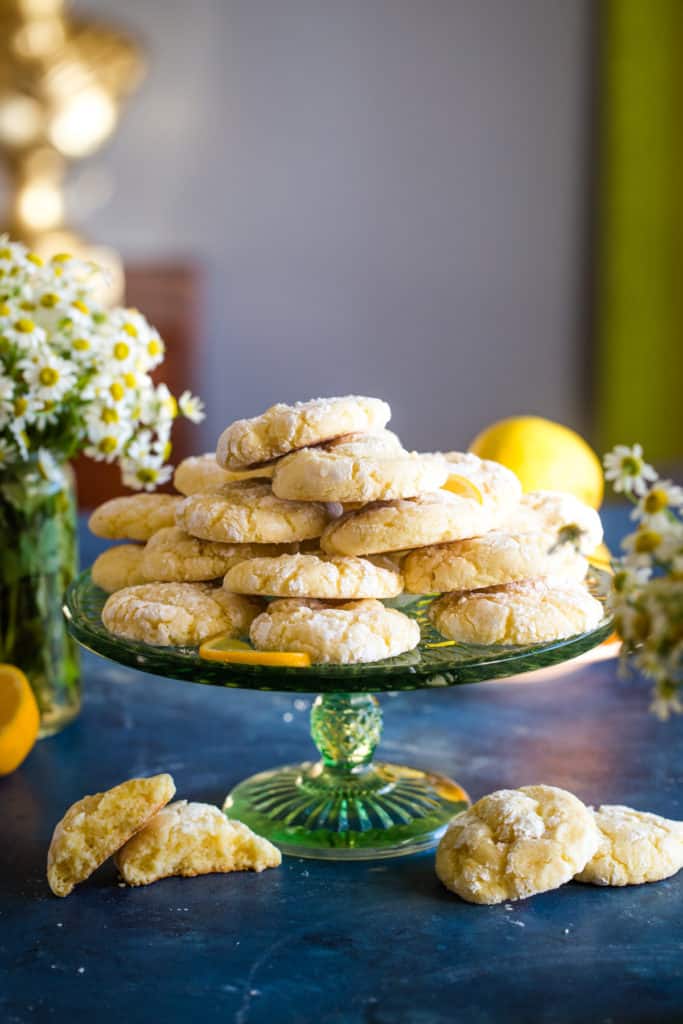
[{"x": 345, "y": 806}]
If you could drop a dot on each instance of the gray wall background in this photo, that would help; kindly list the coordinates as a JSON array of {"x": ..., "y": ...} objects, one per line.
[{"x": 388, "y": 197}]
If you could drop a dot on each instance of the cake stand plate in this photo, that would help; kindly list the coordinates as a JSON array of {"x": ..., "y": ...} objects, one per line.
[{"x": 344, "y": 806}]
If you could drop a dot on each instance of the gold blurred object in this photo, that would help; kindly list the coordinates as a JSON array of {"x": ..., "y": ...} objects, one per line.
[{"x": 63, "y": 80}]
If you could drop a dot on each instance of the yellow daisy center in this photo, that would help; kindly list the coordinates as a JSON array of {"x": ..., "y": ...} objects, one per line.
[
  {"x": 121, "y": 350},
  {"x": 25, "y": 326},
  {"x": 49, "y": 300},
  {"x": 656, "y": 501},
  {"x": 108, "y": 445},
  {"x": 20, "y": 406},
  {"x": 147, "y": 475},
  {"x": 80, "y": 306},
  {"x": 4, "y": 309},
  {"x": 48, "y": 376},
  {"x": 130, "y": 329},
  {"x": 154, "y": 347},
  {"x": 110, "y": 416},
  {"x": 81, "y": 344},
  {"x": 129, "y": 379},
  {"x": 61, "y": 257},
  {"x": 117, "y": 390},
  {"x": 33, "y": 257},
  {"x": 647, "y": 541}
]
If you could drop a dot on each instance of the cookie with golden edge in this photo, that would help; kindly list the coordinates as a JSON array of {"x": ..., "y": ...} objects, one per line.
[
  {"x": 191, "y": 839},
  {"x": 634, "y": 847},
  {"x": 490, "y": 560},
  {"x": 119, "y": 567},
  {"x": 284, "y": 428},
  {"x": 550, "y": 512},
  {"x": 525, "y": 612},
  {"x": 515, "y": 843},
  {"x": 177, "y": 614},
  {"x": 173, "y": 556},
  {"x": 352, "y": 473},
  {"x": 382, "y": 442},
  {"x": 332, "y": 577},
  {"x": 407, "y": 523},
  {"x": 498, "y": 485},
  {"x": 202, "y": 473},
  {"x": 96, "y": 826},
  {"x": 247, "y": 512},
  {"x": 333, "y": 633},
  {"x": 134, "y": 516}
]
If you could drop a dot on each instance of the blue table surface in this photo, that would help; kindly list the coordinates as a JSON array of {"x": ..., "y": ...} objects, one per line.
[{"x": 374, "y": 942}]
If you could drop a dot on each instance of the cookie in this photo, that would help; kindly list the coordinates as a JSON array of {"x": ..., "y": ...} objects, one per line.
[
  {"x": 202, "y": 473},
  {"x": 551, "y": 511},
  {"x": 119, "y": 567},
  {"x": 408, "y": 523},
  {"x": 176, "y": 614},
  {"x": 247, "y": 512},
  {"x": 322, "y": 576},
  {"x": 95, "y": 827},
  {"x": 515, "y": 843},
  {"x": 192, "y": 839},
  {"x": 134, "y": 517},
  {"x": 339, "y": 634},
  {"x": 487, "y": 561},
  {"x": 526, "y": 612},
  {"x": 499, "y": 486},
  {"x": 635, "y": 847},
  {"x": 172, "y": 555},
  {"x": 351, "y": 472},
  {"x": 284, "y": 428}
]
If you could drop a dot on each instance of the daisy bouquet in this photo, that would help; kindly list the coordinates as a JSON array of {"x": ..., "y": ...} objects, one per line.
[
  {"x": 647, "y": 585},
  {"x": 74, "y": 377},
  {"x": 77, "y": 377}
]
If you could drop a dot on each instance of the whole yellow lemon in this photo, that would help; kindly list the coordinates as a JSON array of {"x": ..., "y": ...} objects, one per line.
[{"x": 546, "y": 456}]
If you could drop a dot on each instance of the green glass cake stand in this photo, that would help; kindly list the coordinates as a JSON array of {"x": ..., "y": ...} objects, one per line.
[{"x": 344, "y": 806}]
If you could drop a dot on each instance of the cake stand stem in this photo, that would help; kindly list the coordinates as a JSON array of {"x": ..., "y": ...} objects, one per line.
[{"x": 345, "y": 806}]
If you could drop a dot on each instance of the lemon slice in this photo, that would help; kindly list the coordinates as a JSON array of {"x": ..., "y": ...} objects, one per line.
[
  {"x": 463, "y": 487},
  {"x": 236, "y": 652}
]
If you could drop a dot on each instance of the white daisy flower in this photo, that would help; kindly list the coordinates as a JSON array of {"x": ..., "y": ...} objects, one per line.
[
  {"x": 25, "y": 335},
  {"x": 48, "y": 377},
  {"x": 627, "y": 469},
  {"x": 657, "y": 540},
  {"x": 146, "y": 474},
  {"x": 191, "y": 407},
  {"x": 662, "y": 495}
]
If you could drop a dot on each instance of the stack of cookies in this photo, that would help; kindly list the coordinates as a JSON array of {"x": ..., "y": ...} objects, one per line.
[{"x": 318, "y": 508}]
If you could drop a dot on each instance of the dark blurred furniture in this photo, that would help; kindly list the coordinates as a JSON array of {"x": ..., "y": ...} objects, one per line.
[{"x": 169, "y": 296}]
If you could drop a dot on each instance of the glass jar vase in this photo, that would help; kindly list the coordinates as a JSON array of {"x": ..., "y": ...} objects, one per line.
[{"x": 38, "y": 559}]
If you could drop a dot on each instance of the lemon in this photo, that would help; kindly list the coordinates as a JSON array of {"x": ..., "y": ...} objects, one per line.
[
  {"x": 546, "y": 456},
  {"x": 19, "y": 718}
]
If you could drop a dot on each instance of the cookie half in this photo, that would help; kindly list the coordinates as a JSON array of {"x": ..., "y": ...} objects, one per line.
[
  {"x": 192, "y": 839},
  {"x": 95, "y": 827},
  {"x": 527, "y": 612},
  {"x": 320, "y": 576},
  {"x": 134, "y": 517},
  {"x": 354, "y": 632},
  {"x": 635, "y": 847},
  {"x": 247, "y": 512},
  {"x": 515, "y": 843},
  {"x": 490, "y": 560},
  {"x": 284, "y": 428},
  {"x": 177, "y": 614}
]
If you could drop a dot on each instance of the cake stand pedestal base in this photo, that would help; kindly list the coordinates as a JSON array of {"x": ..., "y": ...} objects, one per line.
[{"x": 345, "y": 807}]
